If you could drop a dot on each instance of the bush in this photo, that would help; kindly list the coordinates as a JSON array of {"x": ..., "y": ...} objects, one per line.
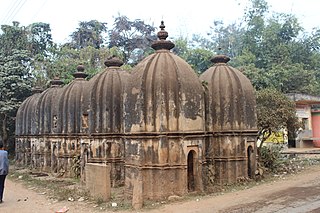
[{"x": 270, "y": 157}]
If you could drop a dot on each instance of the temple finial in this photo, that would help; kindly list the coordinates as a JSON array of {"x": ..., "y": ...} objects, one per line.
[{"x": 162, "y": 43}]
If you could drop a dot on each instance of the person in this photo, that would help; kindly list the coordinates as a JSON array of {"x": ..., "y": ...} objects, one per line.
[{"x": 4, "y": 169}]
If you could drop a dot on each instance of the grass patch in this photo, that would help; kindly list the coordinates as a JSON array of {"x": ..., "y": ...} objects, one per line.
[
  {"x": 67, "y": 189},
  {"x": 55, "y": 188}
]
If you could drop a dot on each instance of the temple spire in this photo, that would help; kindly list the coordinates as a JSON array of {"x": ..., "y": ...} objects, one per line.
[{"x": 162, "y": 43}]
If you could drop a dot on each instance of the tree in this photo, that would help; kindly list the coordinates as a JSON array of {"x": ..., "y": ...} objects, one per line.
[
  {"x": 40, "y": 39},
  {"x": 277, "y": 38},
  {"x": 89, "y": 33},
  {"x": 258, "y": 77},
  {"x": 275, "y": 111},
  {"x": 254, "y": 19},
  {"x": 289, "y": 78},
  {"x": 13, "y": 37},
  {"x": 66, "y": 60},
  {"x": 133, "y": 38},
  {"x": 15, "y": 83},
  {"x": 16, "y": 46},
  {"x": 275, "y": 51},
  {"x": 41, "y": 49},
  {"x": 226, "y": 39},
  {"x": 197, "y": 57}
]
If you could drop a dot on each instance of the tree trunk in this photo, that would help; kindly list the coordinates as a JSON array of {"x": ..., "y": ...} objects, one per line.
[{"x": 264, "y": 134}]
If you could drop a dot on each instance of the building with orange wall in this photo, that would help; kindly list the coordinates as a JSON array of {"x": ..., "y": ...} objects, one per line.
[{"x": 308, "y": 112}]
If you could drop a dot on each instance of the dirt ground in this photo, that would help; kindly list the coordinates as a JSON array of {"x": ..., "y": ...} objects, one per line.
[
  {"x": 294, "y": 193},
  {"x": 291, "y": 193}
]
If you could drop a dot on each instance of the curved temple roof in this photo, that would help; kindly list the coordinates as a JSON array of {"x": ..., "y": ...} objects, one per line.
[
  {"x": 231, "y": 99},
  {"x": 164, "y": 93},
  {"x": 106, "y": 98}
]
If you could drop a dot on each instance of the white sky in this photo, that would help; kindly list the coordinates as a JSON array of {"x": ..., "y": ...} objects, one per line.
[{"x": 180, "y": 17}]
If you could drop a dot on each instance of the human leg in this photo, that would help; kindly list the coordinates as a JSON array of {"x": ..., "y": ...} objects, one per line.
[{"x": 2, "y": 179}]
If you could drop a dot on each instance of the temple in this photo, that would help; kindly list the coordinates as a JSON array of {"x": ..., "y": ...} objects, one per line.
[{"x": 159, "y": 130}]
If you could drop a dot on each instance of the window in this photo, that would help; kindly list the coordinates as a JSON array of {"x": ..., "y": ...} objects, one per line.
[
  {"x": 305, "y": 122},
  {"x": 85, "y": 121},
  {"x": 55, "y": 121}
]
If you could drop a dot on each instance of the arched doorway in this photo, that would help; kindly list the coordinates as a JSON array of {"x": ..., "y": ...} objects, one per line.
[
  {"x": 191, "y": 170},
  {"x": 250, "y": 155}
]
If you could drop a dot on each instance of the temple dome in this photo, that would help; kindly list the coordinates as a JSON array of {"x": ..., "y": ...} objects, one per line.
[
  {"x": 71, "y": 101},
  {"x": 26, "y": 117},
  {"x": 47, "y": 107},
  {"x": 106, "y": 98},
  {"x": 164, "y": 94},
  {"x": 230, "y": 96}
]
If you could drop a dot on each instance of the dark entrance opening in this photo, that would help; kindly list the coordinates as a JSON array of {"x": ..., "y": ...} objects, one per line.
[
  {"x": 191, "y": 178},
  {"x": 250, "y": 161}
]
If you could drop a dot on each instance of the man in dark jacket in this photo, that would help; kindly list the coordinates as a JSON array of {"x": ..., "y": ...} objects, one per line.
[{"x": 4, "y": 168}]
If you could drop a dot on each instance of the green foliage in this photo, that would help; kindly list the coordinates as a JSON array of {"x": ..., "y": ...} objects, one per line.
[
  {"x": 15, "y": 79},
  {"x": 89, "y": 33},
  {"x": 290, "y": 78},
  {"x": 275, "y": 111},
  {"x": 276, "y": 40},
  {"x": 15, "y": 83},
  {"x": 198, "y": 58},
  {"x": 13, "y": 38},
  {"x": 270, "y": 157},
  {"x": 41, "y": 48},
  {"x": 40, "y": 39},
  {"x": 226, "y": 39},
  {"x": 133, "y": 38},
  {"x": 66, "y": 60},
  {"x": 257, "y": 76},
  {"x": 181, "y": 47},
  {"x": 254, "y": 19}
]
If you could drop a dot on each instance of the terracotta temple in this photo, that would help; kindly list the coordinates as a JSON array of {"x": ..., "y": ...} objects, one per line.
[{"x": 160, "y": 129}]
